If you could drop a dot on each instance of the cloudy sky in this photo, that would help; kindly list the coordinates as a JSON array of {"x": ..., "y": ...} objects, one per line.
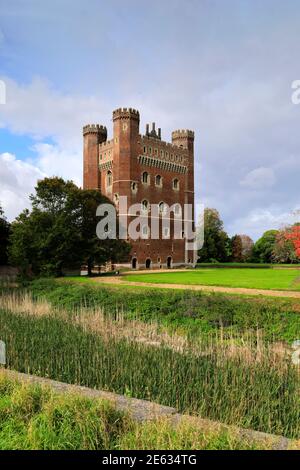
[{"x": 222, "y": 68}]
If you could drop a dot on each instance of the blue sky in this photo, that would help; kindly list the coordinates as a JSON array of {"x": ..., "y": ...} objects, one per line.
[{"x": 223, "y": 69}]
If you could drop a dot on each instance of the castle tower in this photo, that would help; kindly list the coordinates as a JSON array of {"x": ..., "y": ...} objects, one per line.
[
  {"x": 93, "y": 135},
  {"x": 126, "y": 131},
  {"x": 151, "y": 173},
  {"x": 185, "y": 139}
]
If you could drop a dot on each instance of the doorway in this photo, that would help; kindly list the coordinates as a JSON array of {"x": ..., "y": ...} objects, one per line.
[
  {"x": 169, "y": 262},
  {"x": 148, "y": 263},
  {"x": 134, "y": 263}
]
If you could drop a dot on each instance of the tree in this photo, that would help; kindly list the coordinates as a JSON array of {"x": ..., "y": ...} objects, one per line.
[
  {"x": 293, "y": 235},
  {"x": 60, "y": 231},
  {"x": 237, "y": 249},
  {"x": 4, "y": 235},
  {"x": 216, "y": 245},
  {"x": 264, "y": 247},
  {"x": 247, "y": 247},
  {"x": 284, "y": 251}
]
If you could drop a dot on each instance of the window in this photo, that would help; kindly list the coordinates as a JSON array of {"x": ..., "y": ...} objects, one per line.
[
  {"x": 134, "y": 187},
  {"x": 145, "y": 231},
  {"x": 177, "y": 209},
  {"x": 145, "y": 149},
  {"x": 176, "y": 184},
  {"x": 150, "y": 151},
  {"x": 145, "y": 178},
  {"x": 166, "y": 232},
  {"x": 158, "y": 180},
  {"x": 155, "y": 151},
  {"x": 162, "y": 208},
  {"x": 109, "y": 179},
  {"x": 145, "y": 205}
]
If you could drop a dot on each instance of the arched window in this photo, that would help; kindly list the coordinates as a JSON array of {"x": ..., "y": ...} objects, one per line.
[
  {"x": 158, "y": 180},
  {"x": 109, "y": 178},
  {"x": 145, "y": 205},
  {"x": 145, "y": 178},
  {"x": 175, "y": 183},
  {"x": 145, "y": 231},
  {"x": 134, "y": 187},
  {"x": 162, "y": 207},
  {"x": 177, "y": 209}
]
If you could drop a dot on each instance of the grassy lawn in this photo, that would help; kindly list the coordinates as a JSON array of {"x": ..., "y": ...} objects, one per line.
[{"x": 282, "y": 279}]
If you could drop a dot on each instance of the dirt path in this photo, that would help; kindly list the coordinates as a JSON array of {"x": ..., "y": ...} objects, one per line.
[{"x": 227, "y": 290}]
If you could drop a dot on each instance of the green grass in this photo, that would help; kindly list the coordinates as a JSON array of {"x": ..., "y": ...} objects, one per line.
[
  {"x": 35, "y": 417},
  {"x": 241, "y": 390},
  {"x": 281, "y": 279},
  {"x": 191, "y": 313},
  {"x": 262, "y": 395}
]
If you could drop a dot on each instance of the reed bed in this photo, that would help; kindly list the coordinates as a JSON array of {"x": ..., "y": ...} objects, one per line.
[{"x": 244, "y": 382}]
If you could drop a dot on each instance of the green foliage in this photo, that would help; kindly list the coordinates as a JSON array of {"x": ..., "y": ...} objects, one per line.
[
  {"x": 216, "y": 245},
  {"x": 212, "y": 385},
  {"x": 263, "y": 248},
  {"x": 60, "y": 232},
  {"x": 195, "y": 312},
  {"x": 35, "y": 417},
  {"x": 4, "y": 234}
]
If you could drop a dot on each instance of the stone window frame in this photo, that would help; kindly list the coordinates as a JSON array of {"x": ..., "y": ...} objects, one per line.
[
  {"x": 166, "y": 236},
  {"x": 148, "y": 178},
  {"x": 109, "y": 179},
  {"x": 134, "y": 187},
  {"x": 143, "y": 234},
  {"x": 160, "y": 185},
  {"x": 163, "y": 211},
  {"x": 145, "y": 208},
  {"x": 176, "y": 187},
  {"x": 177, "y": 213}
]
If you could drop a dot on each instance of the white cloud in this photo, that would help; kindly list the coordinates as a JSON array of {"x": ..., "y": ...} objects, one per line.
[
  {"x": 18, "y": 179},
  {"x": 260, "y": 178},
  {"x": 259, "y": 220}
]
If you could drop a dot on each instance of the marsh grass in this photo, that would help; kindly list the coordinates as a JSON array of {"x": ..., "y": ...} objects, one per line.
[{"x": 242, "y": 381}]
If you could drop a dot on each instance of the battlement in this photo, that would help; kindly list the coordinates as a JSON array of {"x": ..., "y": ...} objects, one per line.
[
  {"x": 125, "y": 113},
  {"x": 183, "y": 134},
  {"x": 95, "y": 129}
]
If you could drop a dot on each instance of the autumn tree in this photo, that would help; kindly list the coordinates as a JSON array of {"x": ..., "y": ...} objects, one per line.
[
  {"x": 247, "y": 247},
  {"x": 236, "y": 249},
  {"x": 284, "y": 250}
]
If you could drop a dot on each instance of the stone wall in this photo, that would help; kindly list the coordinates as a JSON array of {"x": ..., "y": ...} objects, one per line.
[{"x": 142, "y": 410}]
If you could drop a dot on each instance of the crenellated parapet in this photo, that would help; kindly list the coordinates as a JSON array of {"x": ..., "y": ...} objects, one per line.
[
  {"x": 183, "y": 134},
  {"x": 95, "y": 129},
  {"x": 126, "y": 113}
]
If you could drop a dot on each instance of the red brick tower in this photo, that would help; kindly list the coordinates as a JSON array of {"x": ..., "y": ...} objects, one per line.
[{"x": 148, "y": 171}]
